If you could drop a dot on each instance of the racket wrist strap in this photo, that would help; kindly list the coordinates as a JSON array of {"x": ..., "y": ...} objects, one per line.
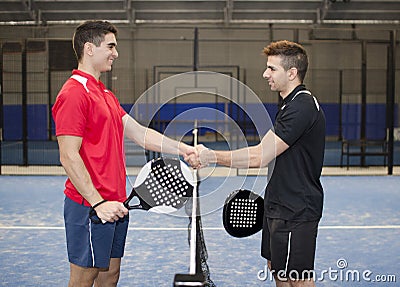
[{"x": 99, "y": 203}]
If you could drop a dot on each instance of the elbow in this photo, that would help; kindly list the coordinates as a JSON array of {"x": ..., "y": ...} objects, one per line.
[
  {"x": 63, "y": 160},
  {"x": 66, "y": 159}
]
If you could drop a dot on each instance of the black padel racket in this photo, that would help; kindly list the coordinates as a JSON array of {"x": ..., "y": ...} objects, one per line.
[
  {"x": 243, "y": 213},
  {"x": 163, "y": 185}
]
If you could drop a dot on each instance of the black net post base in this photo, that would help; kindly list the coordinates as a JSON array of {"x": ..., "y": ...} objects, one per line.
[{"x": 181, "y": 280}]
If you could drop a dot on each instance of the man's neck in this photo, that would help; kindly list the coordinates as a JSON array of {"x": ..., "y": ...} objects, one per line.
[
  {"x": 289, "y": 89},
  {"x": 89, "y": 70}
]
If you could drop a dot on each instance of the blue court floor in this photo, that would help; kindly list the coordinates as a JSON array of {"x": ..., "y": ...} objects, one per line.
[{"x": 358, "y": 241}]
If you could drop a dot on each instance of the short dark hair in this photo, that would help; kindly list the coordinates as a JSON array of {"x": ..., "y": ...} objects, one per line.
[
  {"x": 293, "y": 56},
  {"x": 92, "y": 31}
]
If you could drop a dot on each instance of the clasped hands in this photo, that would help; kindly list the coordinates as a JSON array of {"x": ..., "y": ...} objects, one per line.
[{"x": 200, "y": 157}]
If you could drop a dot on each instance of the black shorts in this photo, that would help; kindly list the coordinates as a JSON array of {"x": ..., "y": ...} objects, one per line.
[{"x": 290, "y": 246}]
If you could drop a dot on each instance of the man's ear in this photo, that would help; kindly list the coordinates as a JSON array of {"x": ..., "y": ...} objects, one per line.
[
  {"x": 292, "y": 73},
  {"x": 88, "y": 48}
]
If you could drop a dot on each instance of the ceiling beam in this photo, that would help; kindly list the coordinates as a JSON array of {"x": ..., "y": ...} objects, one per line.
[
  {"x": 228, "y": 10},
  {"x": 323, "y": 10},
  {"x": 130, "y": 12},
  {"x": 34, "y": 13}
]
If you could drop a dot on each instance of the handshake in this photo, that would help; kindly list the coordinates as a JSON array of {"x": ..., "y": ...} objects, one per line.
[{"x": 200, "y": 156}]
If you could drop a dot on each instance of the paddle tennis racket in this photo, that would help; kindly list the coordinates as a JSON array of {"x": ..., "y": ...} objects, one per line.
[
  {"x": 163, "y": 185},
  {"x": 243, "y": 213}
]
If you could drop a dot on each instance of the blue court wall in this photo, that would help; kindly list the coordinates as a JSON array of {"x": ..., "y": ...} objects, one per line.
[
  {"x": 37, "y": 122},
  {"x": 351, "y": 118}
]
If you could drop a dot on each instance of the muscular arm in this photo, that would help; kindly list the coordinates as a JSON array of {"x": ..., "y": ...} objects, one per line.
[
  {"x": 74, "y": 166},
  {"x": 255, "y": 156},
  {"x": 153, "y": 140}
]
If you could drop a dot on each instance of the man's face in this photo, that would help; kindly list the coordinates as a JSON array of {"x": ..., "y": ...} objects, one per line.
[
  {"x": 105, "y": 54},
  {"x": 276, "y": 75}
]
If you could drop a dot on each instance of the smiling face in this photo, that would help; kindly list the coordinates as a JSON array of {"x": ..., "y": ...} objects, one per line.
[
  {"x": 287, "y": 64},
  {"x": 278, "y": 79},
  {"x": 105, "y": 54}
]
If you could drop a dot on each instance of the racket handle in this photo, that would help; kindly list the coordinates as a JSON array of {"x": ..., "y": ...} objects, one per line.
[
  {"x": 195, "y": 134},
  {"x": 92, "y": 212},
  {"x": 101, "y": 202}
]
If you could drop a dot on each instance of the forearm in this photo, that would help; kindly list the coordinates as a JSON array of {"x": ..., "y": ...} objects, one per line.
[
  {"x": 254, "y": 156},
  {"x": 158, "y": 142},
  {"x": 151, "y": 139},
  {"x": 80, "y": 178},
  {"x": 240, "y": 158}
]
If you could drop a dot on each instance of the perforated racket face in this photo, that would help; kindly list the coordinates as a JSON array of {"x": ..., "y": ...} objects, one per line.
[
  {"x": 167, "y": 184},
  {"x": 243, "y": 213}
]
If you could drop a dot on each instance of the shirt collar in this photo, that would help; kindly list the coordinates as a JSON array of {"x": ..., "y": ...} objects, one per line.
[
  {"x": 293, "y": 93},
  {"x": 90, "y": 78},
  {"x": 86, "y": 75}
]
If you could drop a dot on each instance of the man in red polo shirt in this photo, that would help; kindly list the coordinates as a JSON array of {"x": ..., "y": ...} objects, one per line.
[{"x": 90, "y": 128}]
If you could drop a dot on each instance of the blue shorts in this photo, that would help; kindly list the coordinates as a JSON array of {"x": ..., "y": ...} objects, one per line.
[{"x": 90, "y": 244}]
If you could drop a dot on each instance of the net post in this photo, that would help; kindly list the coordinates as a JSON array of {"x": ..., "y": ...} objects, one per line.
[
  {"x": 193, "y": 230},
  {"x": 196, "y": 276},
  {"x": 181, "y": 280}
]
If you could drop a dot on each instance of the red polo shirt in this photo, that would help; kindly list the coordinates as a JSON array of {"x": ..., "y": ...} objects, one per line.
[{"x": 85, "y": 108}]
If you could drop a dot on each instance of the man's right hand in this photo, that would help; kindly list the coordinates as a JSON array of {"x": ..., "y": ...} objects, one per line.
[
  {"x": 111, "y": 211},
  {"x": 204, "y": 157}
]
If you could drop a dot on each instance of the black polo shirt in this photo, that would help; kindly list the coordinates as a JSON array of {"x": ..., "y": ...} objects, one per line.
[{"x": 294, "y": 191}]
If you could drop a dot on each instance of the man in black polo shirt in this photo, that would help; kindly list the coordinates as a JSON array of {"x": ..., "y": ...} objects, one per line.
[{"x": 294, "y": 152}]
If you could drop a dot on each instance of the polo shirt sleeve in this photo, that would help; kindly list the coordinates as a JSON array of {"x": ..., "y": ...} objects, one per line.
[
  {"x": 70, "y": 111},
  {"x": 121, "y": 110},
  {"x": 295, "y": 119}
]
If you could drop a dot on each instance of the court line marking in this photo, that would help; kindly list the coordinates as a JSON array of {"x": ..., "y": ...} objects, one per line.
[
  {"x": 208, "y": 171},
  {"x": 27, "y": 227}
]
